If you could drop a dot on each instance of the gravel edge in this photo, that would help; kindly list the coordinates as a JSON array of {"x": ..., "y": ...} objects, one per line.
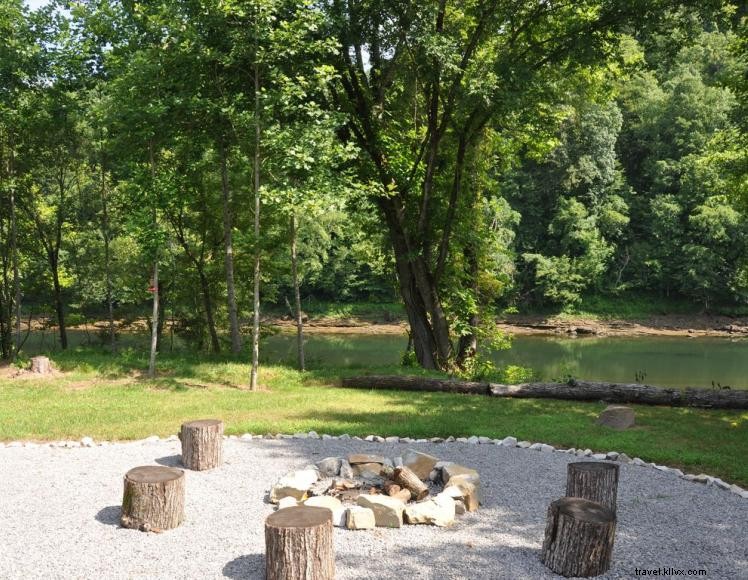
[{"x": 508, "y": 441}]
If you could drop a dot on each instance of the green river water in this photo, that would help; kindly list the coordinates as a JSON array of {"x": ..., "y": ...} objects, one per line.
[{"x": 664, "y": 361}]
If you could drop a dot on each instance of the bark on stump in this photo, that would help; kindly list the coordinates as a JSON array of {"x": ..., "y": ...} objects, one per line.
[
  {"x": 579, "y": 537},
  {"x": 202, "y": 444},
  {"x": 153, "y": 498},
  {"x": 299, "y": 544},
  {"x": 594, "y": 481},
  {"x": 40, "y": 365},
  {"x": 406, "y": 479}
]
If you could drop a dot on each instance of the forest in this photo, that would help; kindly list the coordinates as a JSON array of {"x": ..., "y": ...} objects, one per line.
[{"x": 191, "y": 163}]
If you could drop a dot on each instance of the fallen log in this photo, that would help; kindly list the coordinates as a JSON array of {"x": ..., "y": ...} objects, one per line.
[
  {"x": 574, "y": 390},
  {"x": 411, "y": 383},
  {"x": 626, "y": 393}
]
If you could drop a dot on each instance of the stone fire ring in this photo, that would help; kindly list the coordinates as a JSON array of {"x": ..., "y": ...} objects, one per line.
[{"x": 364, "y": 491}]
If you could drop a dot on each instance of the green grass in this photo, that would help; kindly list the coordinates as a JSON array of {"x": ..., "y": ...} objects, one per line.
[{"x": 104, "y": 396}]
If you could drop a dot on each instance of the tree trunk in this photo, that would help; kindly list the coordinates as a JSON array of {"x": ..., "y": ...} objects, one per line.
[
  {"x": 428, "y": 322},
  {"x": 299, "y": 544},
  {"x": 297, "y": 296},
  {"x": 468, "y": 344},
  {"x": 595, "y": 481},
  {"x": 6, "y": 294},
  {"x": 579, "y": 538},
  {"x": 154, "y": 322},
  {"x": 107, "y": 260},
  {"x": 153, "y": 498},
  {"x": 236, "y": 339},
  {"x": 202, "y": 444},
  {"x": 256, "y": 271},
  {"x": 155, "y": 282},
  {"x": 14, "y": 258},
  {"x": 59, "y": 308},
  {"x": 208, "y": 306},
  {"x": 406, "y": 479}
]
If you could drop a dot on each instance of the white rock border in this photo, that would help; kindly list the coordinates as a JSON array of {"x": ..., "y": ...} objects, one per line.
[{"x": 508, "y": 441}]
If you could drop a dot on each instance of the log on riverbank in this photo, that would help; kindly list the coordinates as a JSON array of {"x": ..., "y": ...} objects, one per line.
[
  {"x": 411, "y": 383},
  {"x": 575, "y": 391}
]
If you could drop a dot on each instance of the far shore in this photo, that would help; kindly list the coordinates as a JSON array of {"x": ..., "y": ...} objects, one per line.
[
  {"x": 565, "y": 325},
  {"x": 664, "y": 325}
]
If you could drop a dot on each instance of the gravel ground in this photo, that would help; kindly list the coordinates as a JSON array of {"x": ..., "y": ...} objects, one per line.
[{"x": 59, "y": 512}]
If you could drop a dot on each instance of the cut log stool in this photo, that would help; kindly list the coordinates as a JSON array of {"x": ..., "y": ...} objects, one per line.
[
  {"x": 593, "y": 480},
  {"x": 579, "y": 537},
  {"x": 202, "y": 444},
  {"x": 153, "y": 498},
  {"x": 299, "y": 544}
]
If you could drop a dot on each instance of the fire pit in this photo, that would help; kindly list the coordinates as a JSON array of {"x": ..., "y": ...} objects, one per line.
[{"x": 363, "y": 491}]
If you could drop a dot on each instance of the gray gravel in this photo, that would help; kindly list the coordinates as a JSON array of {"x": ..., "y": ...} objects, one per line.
[{"x": 59, "y": 512}]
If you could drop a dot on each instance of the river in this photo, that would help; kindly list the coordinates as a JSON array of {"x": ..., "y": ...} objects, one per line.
[{"x": 662, "y": 360}]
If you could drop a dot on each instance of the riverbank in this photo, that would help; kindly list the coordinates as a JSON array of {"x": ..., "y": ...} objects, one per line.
[
  {"x": 568, "y": 325},
  {"x": 693, "y": 325}
]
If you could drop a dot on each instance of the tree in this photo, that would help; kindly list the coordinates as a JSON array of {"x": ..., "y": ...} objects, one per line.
[{"x": 420, "y": 82}]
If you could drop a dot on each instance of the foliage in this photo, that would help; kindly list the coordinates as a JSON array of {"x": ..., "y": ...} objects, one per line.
[{"x": 461, "y": 158}]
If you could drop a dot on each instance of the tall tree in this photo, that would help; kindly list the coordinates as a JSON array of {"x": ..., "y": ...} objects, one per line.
[{"x": 418, "y": 79}]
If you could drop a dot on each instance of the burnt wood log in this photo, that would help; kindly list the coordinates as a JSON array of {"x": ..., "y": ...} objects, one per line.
[
  {"x": 403, "y": 495},
  {"x": 593, "y": 480},
  {"x": 202, "y": 444},
  {"x": 390, "y": 487},
  {"x": 153, "y": 498},
  {"x": 299, "y": 544},
  {"x": 574, "y": 390},
  {"x": 579, "y": 537},
  {"x": 406, "y": 479}
]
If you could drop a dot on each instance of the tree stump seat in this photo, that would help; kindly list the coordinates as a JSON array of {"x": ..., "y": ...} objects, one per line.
[
  {"x": 202, "y": 444},
  {"x": 153, "y": 498},
  {"x": 299, "y": 544},
  {"x": 579, "y": 537},
  {"x": 41, "y": 365},
  {"x": 593, "y": 480}
]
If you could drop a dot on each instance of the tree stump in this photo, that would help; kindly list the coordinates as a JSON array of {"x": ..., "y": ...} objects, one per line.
[
  {"x": 406, "y": 479},
  {"x": 153, "y": 498},
  {"x": 41, "y": 365},
  {"x": 299, "y": 544},
  {"x": 202, "y": 444},
  {"x": 593, "y": 480},
  {"x": 390, "y": 487},
  {"x": 579, "y": 537}
]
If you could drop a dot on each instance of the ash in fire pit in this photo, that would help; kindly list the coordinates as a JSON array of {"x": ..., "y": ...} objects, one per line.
[{"x": 363, "y": 491}]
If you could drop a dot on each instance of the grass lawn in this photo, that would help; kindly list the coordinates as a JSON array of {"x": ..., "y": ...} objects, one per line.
[{"x": 105, "y": 397}]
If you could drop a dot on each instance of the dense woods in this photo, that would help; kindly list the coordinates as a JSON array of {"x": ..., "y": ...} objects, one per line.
[{"x": 186, "y": 162}]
